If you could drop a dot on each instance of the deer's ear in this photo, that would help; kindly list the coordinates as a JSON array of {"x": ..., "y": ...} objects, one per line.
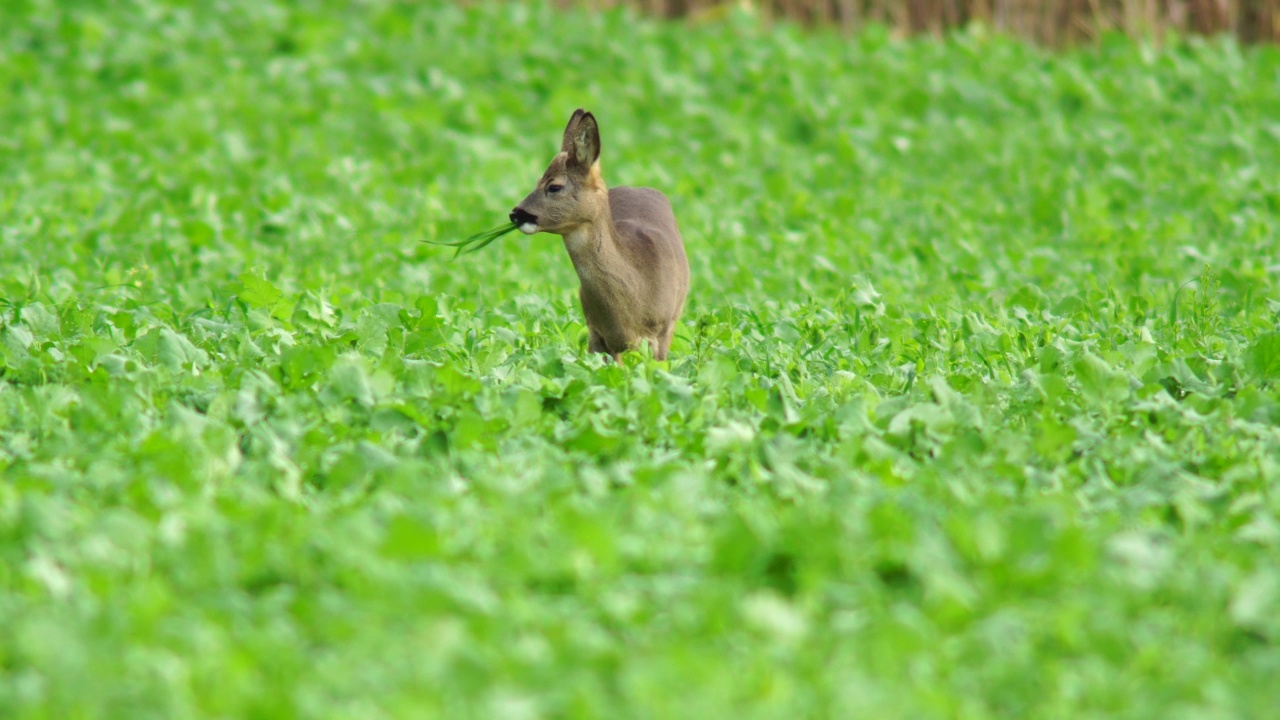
[
  {"x": 567, "y": 144},
  {"x": 582, "y": 140}
]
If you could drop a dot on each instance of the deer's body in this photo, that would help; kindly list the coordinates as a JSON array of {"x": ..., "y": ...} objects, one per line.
[{"x": 624, "y": 244}]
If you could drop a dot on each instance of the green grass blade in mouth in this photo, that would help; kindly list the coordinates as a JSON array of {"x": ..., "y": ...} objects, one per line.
[{"x": 477, "y": 241}]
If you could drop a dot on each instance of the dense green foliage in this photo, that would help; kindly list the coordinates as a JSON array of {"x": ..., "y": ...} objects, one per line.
[{"x": 973, "y": 412}]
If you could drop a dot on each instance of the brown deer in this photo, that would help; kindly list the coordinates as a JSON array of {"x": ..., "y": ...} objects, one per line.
[{"x": 623, "y": 242}]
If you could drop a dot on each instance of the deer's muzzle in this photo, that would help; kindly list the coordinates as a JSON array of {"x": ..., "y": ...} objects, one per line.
[{"x": 526, "y": 221}]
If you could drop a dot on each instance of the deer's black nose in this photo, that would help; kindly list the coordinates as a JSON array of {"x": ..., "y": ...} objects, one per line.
[{"x": 520, "y": 217}]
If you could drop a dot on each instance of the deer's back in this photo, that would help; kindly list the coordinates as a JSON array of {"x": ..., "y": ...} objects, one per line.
[
  {"x": 643, "y": 206},
  {"x": 647, "y": 230}
]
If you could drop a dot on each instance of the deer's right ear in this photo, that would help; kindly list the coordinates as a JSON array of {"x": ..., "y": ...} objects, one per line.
[{"x": 582, "y": 140}]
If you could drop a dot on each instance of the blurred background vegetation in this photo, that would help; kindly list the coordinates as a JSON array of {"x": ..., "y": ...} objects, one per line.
[{"x": 1055, "y": 22}]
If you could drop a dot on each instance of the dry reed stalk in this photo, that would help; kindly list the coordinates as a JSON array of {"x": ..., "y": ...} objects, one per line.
[{"x": 1055, "y": 22}]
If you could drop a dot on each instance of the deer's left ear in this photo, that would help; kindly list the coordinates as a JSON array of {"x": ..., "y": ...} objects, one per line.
[
  {"x": 582, "y": 140},
  {"x": 567, "y": 144}
]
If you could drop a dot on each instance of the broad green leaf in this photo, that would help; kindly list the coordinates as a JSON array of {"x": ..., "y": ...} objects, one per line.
[
  {"x": 1263, "y": 357},
  {"x": 1100, "y": 382},
  {"x": 258, "y": 292}
]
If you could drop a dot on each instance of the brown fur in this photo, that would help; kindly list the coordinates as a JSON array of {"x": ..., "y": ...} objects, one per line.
[{"x": 623, "y": 242}]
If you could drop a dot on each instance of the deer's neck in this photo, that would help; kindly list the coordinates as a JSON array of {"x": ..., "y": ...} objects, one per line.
[{"x": 593, "y": 248}]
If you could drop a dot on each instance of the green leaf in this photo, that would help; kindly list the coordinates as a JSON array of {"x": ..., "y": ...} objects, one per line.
[
  {"x": 257, "y": 291},
  {"x": 349, "y": 380},
  {"x": 477, "y": 241},
  {"x": 1263, "y": 356},
  {"x": 1099, "y": 382}
]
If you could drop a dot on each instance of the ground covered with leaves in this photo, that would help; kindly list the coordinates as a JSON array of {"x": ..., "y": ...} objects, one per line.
[{"x": 972, "y": 414}]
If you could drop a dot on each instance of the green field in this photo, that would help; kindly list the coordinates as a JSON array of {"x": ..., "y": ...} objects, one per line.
[{"x": 973, "y": 412}]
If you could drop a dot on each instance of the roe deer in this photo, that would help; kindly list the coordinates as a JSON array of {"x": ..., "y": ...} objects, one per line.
[{"x": 623, "y": 242}]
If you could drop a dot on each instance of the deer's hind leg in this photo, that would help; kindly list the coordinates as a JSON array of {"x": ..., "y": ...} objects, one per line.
[
  {"x": 595, "y": 343},
  {"x": 663, "y": 343}
]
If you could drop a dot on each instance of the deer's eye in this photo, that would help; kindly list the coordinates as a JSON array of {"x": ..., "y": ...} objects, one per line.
[{"x": 553, "y": 189}]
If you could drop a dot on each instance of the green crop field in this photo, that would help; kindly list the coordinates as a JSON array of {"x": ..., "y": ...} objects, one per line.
[{"x": 974, "y": 410}]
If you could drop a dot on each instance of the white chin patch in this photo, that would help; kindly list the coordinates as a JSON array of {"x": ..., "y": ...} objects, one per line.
[{"x": 529, "y": 228}]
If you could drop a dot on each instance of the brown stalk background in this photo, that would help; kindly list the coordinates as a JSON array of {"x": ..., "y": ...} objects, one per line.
[{"x": 1053, "y": 22}]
